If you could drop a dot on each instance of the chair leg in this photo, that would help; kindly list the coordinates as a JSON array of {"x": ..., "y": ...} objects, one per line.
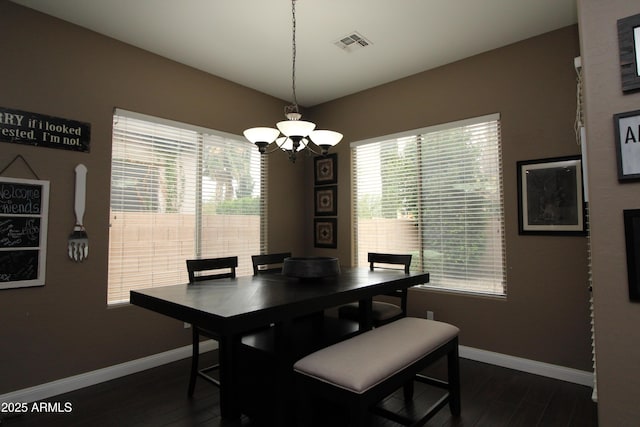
[
  {"x": 453, "y": 368},
  {"x": 195, "y": 347}
]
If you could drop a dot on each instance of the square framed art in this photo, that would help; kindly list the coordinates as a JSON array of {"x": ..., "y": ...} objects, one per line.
[
  {"x": 326, "y": 200},
  {"x": 550, "y": 196},
  {"x": 325, "y": 169},
  {"x": 325, "y": 233}
]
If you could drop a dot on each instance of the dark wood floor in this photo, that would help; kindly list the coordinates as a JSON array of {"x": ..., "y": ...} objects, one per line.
[{"x": 491, "y": 396}]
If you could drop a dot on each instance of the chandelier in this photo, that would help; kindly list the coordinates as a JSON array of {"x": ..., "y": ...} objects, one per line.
[{"x": 293, "y": 135}]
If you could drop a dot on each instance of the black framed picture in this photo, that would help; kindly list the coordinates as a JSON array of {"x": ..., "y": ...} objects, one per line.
[
  {"x": 325, "y": 169},
  {"x": 550, "y": 196},
  {"x": 629, "y": 48},
  {"x": 627, "y": 135},
  {"x": 326, "y": 200},
  {"x": 325, "y": 233},
  {"x": 632, "y": 240}
]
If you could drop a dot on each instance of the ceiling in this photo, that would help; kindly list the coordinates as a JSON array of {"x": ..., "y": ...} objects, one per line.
[{"x": 250, "y": 41}]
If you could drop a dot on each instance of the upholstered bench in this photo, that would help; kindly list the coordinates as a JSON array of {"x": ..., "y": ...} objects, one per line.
[{"x": 362, "y": 370}]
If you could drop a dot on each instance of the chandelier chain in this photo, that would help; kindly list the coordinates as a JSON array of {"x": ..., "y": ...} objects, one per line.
[
  {"x": 293, "y": 62},
  {"x": 297, "y": 134}
]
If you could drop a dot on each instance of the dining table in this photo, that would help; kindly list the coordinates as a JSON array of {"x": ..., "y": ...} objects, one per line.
[{"x": 234, "y": 307}]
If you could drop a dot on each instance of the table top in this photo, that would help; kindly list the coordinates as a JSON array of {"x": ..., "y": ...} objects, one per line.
[{"x": 246, "y": 302}]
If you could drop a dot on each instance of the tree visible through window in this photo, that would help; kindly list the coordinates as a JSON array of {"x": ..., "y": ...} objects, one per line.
[
  {"x": 436, "y": 193},
  {"x": 178, "y": 192}
]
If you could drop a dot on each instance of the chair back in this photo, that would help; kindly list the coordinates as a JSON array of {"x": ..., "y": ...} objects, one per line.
[
  {"x": 269, "y": 263},
  {"x": 209, "y": 268},
  {"x": 392, "y": 259},
  {"x": 389, "y": 259}
]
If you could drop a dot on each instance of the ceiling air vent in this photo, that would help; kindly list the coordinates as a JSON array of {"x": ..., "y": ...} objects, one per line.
[{"x": 352, "y": 42}]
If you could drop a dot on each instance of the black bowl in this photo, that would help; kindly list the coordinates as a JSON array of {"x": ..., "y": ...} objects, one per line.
[{"x": 311, "y": 267}]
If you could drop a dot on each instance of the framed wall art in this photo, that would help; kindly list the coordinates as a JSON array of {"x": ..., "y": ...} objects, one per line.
[
  {"x": 632, "y": 241},
  {"x": 325, "y": 233},
  {"x": 629, "y": 48},
  {"x": 325, "y": 169},
  {"x": 326, "y": 200},
  {"x": 550, "y": 196},
  {"x": 627, "y": 136}
]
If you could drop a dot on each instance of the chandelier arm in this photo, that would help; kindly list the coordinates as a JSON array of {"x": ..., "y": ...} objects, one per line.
[
  {"x": 273, "y": 150},
  {"x": 282, "y": 147},
  {"x": 308, "y": 147}
]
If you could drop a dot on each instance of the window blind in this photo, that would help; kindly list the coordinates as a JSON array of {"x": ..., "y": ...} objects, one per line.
[
  {"x": 435, "y": 193},
  {"x": 178, "y": 192}
]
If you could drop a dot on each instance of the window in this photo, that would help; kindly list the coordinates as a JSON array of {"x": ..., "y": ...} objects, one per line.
[
  {"x": 178, "y": 192},
  {"x": 435, "y": 193}
]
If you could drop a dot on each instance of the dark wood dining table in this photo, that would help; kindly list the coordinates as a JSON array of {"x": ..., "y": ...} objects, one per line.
[{"x": 234, "y": 307}]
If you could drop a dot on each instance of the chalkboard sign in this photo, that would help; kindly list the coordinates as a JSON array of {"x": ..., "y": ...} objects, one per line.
[{"x": 24, "y": 213}]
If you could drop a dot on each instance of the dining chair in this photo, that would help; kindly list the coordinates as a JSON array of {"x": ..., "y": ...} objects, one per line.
[
  {"x": 382, "y": 312},
  {"x": 269, "y": 263},
  {"x": 199, "y": 270}
]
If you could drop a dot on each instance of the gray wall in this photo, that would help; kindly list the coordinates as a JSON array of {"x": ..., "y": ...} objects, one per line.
[{"x": 616, "y": 318}]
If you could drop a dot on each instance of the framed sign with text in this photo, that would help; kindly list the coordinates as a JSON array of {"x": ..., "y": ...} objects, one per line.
[
  {"x": 24, "y": 213},
  {"x": 627, "y": 135},
  {"x": 23, "y": 127}
]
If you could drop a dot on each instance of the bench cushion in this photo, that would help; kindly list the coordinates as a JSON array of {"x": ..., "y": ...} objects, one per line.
[{"x": 365, "y": 360}]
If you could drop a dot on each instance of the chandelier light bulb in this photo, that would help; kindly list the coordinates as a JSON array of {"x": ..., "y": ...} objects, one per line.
[
  {"x": 261, "y": 136},
  {"x": 299, "y": 128},
  {"x": 325, "y": 137}
]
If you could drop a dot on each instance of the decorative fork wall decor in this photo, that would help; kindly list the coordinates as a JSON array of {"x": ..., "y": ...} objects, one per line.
[{"x": 78, "y": 240}]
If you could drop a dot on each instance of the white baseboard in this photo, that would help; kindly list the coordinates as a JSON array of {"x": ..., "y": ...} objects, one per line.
[
  {"x": 65, "y": 385},
  {"x": 531, "y": 366}
]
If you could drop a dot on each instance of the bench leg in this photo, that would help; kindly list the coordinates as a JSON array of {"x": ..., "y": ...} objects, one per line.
[
  {"x": 359, "y": 415},
  {"x": 305, "y": 415},
  {"x": 453, "y": 367},
  {"x": 407, "y": 391}
]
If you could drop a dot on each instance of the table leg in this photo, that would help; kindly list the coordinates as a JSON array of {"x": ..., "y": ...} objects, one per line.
[
  {"x": 229, "y": 392},
  {"x": 284, "y": 348}
]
